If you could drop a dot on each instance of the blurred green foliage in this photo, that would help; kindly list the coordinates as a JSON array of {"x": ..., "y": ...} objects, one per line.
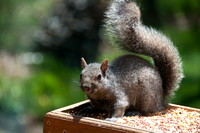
[
  {"x": 51, "y": 84},
  {"x": 18, "y": 21}
]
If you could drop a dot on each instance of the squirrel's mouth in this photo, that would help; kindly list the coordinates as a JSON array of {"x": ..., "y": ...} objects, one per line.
[{"x": 87, "y": 89}]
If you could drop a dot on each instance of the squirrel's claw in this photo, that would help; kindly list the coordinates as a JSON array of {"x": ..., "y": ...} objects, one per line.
[{"x": 112, "y": 119}]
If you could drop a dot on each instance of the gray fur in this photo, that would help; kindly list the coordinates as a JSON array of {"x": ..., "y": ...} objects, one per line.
[{"x": 131, "y": 81}]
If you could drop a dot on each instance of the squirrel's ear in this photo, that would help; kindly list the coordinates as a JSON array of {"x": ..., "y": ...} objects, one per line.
[
  {"x": 104, "y": 66},
  {"x": 83, "y": 63}
]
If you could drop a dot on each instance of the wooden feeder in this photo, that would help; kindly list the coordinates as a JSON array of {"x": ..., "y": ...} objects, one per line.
[{"x": 58, "y": 121}]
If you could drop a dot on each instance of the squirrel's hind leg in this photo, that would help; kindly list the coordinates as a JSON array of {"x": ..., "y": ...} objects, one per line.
[{"x": 151, "y": 93}]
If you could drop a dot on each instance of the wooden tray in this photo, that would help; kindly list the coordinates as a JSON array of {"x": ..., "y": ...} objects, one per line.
[{"x": 58, "y": 121}]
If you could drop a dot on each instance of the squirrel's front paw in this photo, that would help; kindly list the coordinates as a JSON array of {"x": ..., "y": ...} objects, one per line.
[
  {"x": 132, "y": 113},
  {"x": 112, "y": 119}
]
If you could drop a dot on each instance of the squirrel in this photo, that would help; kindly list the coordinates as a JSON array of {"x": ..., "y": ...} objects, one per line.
[{"x": 129, "y": 81}]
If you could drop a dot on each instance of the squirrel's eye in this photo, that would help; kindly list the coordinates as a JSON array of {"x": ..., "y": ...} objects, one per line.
[{"x": 99, "y": 77}]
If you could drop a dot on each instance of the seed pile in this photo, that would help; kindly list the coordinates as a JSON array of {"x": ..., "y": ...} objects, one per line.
[{"x": 171, "y": 120}]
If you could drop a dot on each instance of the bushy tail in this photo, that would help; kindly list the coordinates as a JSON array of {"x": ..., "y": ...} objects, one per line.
[{"x": 123, "y": 22}]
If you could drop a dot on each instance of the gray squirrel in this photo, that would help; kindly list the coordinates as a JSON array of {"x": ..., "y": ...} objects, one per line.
[{"x": 131, "y": 82}]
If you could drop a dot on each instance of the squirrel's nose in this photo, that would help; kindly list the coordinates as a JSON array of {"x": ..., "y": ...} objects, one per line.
[
  {"x": 85, "y": 86},
  {"x": 86, "y": 89}
]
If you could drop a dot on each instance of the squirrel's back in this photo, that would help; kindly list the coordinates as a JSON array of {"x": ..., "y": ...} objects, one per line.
[
  {"x": 141, "y": 82},
  {"x": 128, "y": 64}
]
